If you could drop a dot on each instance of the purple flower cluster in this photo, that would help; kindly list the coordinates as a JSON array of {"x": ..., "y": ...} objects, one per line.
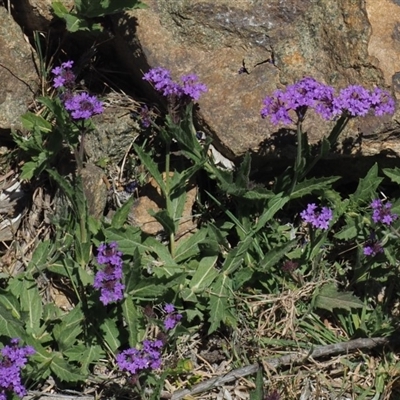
[
  {"x": 134, "y": 360},
  {"x": 317, "y": 217},
  {"x": 372, "y": 248},
  {"x": 307, "y": 93},
  {"x": 161, "y": 79},
  {"x": 64, "y": 77},
  {"x": 13, "y": 360},
  {"x": 382, "y": 212},
  {"x": 81, "y": 105},
  {"x": 108, "y": 280},
  {"x": 172, "y": 318}
]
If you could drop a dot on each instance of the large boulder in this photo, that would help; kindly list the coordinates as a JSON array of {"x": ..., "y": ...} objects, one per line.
[
  {"x": 18, "y": 77},
  {"x": 335, "y": 41}
]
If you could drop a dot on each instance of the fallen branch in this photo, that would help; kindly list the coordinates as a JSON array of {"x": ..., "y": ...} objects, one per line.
[{"x": 292, "y": 358}]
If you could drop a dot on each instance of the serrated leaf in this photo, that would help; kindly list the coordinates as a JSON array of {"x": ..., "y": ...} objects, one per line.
[
  {"x": 367, "y": 186},
  {"x": 308, "y": 186},
  {"x": 65, "y": 371},
  {"x": 164, "y": 219},
  {"x": 273, "y": 206},
  {"x": 219, "y": 304},
  {"x": 31, "y": 302},
  {"x": 121, "y": 215},
  {"x": 129, "y": 239},
  {"x": 84, "y": 355},
  {"x": 151, "y": 166},
  {"x": 11, "y": 303},
  {"x": 111, "y": 334},
  {"x": 329, "y": 297},
  {"x": 204, "y": 275},
  {"x": 189, "y": 247},
  {"x": 393, "y": 174},
  {"x": 9, "y": 325},
  {"x": 67, "y": 331},
  {"x": 275, "y": 255},
  {"x": 131, "y": 316},
  {"x": 235, "y": 257}
]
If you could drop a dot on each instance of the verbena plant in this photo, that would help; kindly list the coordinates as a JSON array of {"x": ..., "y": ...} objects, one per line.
[{"x": 133, "y": 295}]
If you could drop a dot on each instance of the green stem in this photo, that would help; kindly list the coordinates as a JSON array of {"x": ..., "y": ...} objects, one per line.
[
  {"x": 167, "y": 194},
  {"x": 332, "y": 139},
  {"x": 297, "y": 164}
]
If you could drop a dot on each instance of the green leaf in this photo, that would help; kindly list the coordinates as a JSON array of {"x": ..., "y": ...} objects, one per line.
[
  {"x": 131, "y": 316},
  {"x": 111, "y": 334},
  {"x": 275, "y": 255},
  {"x": 349, "y": 231},
  {"x": 329, "y": 297},
  {"x": 96, "y": 8},
  {"x": 367, "y": 186},
  {"x": 9, "y": 325},
  {"x": 189, "y": 247},
  {"x": 121, "y": 215},
  {"x": 235, "y": 257},
  {"x": 84, "y": 355},
  {"x": 274, "y": 205},
  {"x": 31, "y": 302},
  {"x": 32, "y": 121},
  {"x": 204, "y": 275},
  {"x": 165, "y": 220},
  {"x": 151, "y": 166},
  {"x": 219, "y": 305},
  {"x": 309, "y": 186},
  {"x": 69, "y": 329},
  {"x": 65, "y": 371},
  {"x": 129, "y": 239},
  {"x": 393, "y": 174},
  {"x": 258, "y": 392},
  {"x": 10, "y": 302}
]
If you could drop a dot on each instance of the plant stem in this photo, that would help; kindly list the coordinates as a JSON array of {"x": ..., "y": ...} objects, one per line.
[
  {"x": 167, "y": 194},
  {"x": 299, "y": 155}
]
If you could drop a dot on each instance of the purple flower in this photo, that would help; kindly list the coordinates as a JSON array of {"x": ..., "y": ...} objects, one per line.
[
  {"x": 304, "y": 94},
  {"x": 108, "y": 280},
  {"x": 382, "y": 212},
  {"x": 64, "y": 77},
  {"x": 372, "y": 248},
  {"x": 276, "y": 108},
  {"x": 163, "y": 83},
  {"x": 83, "y": 106},
  {"x": 14, "y": 358},
  {"x": 144, "y": 115},
  {"x": 172, "y": 317},
  {"x": 353, "y": 100},
  {"x": 134, "y": 360},
  {"x": 318, "y": 218},
  {"x": 381, "y": 102},
  {"x": 169, "y": 308},
  {"x": 192, "y": 87}
]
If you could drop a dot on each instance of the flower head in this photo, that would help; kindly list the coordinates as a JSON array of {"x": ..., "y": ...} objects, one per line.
[
  {"x": 63, "y": 75},
  {"x": 135, "y": 360},
  {"x": 83, "y": 106},
  {"x": 172, "y": 318},
  {"x": 353, "y": 100},
  {"x": 381, "y": 102},
  {"x": 108, "y": 280},
  {"x": 163, "y": 83},
  {"x": 13, "y": 360},
  {"x": 317, "y": 217},
  {"x": 372, "y": 248},
  {"x": 382, "y": 212}
]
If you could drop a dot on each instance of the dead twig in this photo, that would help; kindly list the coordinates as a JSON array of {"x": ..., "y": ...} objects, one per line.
[{"x": 319, "y": 351}]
